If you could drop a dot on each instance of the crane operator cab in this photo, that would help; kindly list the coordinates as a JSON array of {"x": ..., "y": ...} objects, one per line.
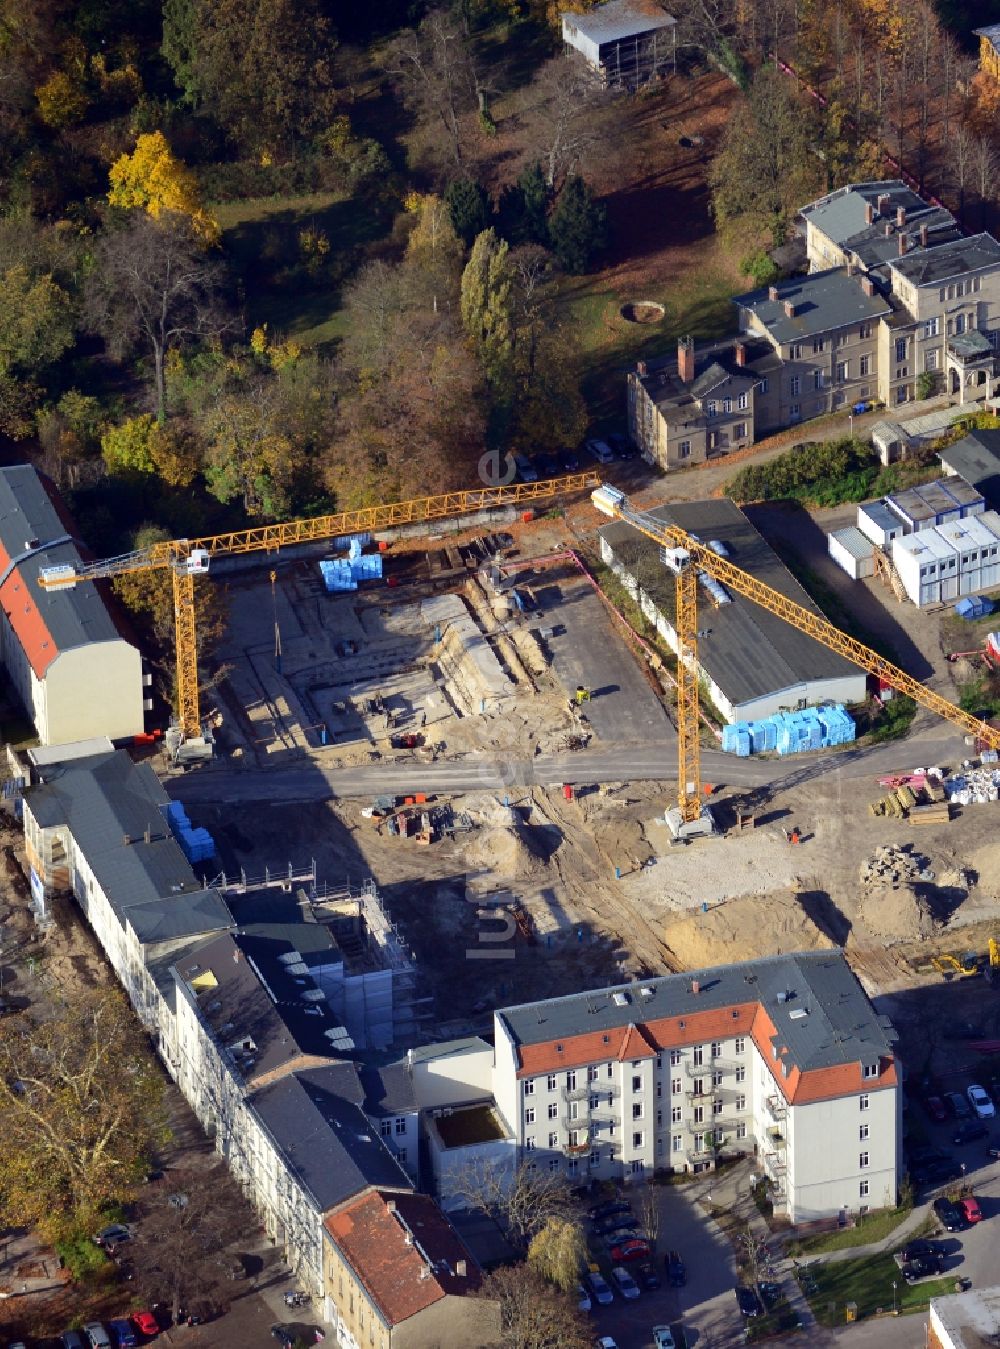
[{"x": 196, "y": 563}]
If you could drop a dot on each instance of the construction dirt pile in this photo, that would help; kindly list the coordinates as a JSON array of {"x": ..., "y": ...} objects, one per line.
[
  {"x": 744, "y": 929},
  {"x": 889, "y": 905},
  {"x": 504, "y": 844}
]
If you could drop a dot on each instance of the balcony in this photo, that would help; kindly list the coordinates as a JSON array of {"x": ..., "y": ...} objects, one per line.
[
  {"x": 776, "y": 1138},
  {"x": 710, "y": 1066},
  {"x": 577, "y": 1093},
  {"x": 776, "y": 1108},
  {"x": 774, "y": 1165}
]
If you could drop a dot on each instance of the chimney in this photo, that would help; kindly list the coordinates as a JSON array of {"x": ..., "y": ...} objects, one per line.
[
  {"x": 685, "y": 359},
  {"x": 391, "y": 1205},
  {"x": 641, "y": 369},
  {"x": 869, "y": 213},
  {"x": 740, "y": 350},
  {"x": 888, "y": 228},
  {"x": 460, "y": 1269},
  {"x": 772, "y": 294},
  {"x": 904, "y": 243},
  {"x": 789, "y": 309},
  {"x": 900, "y": 216},
  {"x": 923, "y": 236},
  {"x": 883, "y": 204},
  {"x": 695, "y": 987},
  {"x": 868, "y": 286}
]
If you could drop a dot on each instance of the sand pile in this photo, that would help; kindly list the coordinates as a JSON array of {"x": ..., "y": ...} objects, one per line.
[
  {"x": 743, "y": 929},
  {"x": 895, "y": 913},
  {"x": 504, "y": 844},
  {"x": 985, "y": 862}
]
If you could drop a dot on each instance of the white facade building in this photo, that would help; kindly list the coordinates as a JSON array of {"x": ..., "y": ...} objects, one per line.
[
  {"x": 783, "y": 1059},
  {"x": 941, "y": 564}
]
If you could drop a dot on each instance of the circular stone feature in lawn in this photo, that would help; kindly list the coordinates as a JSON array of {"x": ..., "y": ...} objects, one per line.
[{"x": 642, "y": 311}]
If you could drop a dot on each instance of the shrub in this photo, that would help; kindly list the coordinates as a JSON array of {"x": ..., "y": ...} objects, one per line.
[
  {"x": 760, "y": 267},
  {"x": 81, "y": 1258}
]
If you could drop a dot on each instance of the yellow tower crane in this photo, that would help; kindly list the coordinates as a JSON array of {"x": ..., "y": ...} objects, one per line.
[
  {"x": 686, "y": 557},
  {"x": 188, "y": 558}
]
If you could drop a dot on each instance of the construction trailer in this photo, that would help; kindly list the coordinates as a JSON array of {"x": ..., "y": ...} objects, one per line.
[{"x": 852, "y": 551}]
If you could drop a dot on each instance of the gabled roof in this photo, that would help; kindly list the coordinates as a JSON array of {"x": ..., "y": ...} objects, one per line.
[
  {"x": 388, "y": 1089},
  {"x": 45, "y": 622},
  {"x": 930, "y": 266},
  {"x": 315, "y": 1122},
  {"x": 404, "y": 1252},
  {"x": 113, "y": 808},
  {"x": 619, "y": 19},
  {"x": 842, "y": 215},
  {"x": 823, "y": 302}
]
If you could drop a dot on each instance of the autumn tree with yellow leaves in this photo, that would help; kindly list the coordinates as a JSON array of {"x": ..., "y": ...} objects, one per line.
[{"x": 153, "y": 179}]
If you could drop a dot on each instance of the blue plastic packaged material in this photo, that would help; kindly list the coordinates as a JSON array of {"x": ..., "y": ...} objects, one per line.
[
  {"x": 974, "y": 606},
  {"x": 790, "y": 732},
  {"x": 344, "y": 541}
]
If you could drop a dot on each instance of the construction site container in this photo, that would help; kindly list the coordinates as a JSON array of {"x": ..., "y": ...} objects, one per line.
[
  {"x": 880, "y": 523},
  {"x": 912, "y": 509},
  {"x": 968, "y": 500},
  {"x": 853, "y": 551},
  {"x": 940, "y": 501}
]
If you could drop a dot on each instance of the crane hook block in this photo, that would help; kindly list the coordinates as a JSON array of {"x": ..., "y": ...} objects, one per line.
[
  {"x": 197, "y": 562},
  {"x": 607, "y": 499},
  {"x": 57, "y": 578}
]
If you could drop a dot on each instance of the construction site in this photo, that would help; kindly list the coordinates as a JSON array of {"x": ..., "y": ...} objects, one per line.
[{"x": 480, "y": 733}]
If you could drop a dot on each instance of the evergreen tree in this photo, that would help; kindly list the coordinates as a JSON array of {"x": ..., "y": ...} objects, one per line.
[
  {"x": 470, "y": 211},
  {"x": 536, "y": 196},
  {"x": 578, "y": 226},
  {"x": 487, "y": 305}
]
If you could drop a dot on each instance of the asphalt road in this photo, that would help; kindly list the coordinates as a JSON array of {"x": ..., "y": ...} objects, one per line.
[{"x": 648, "y": 762}]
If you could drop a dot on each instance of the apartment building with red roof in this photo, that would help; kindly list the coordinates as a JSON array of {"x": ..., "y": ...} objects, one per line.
[{"x": 783, "y": 1059}]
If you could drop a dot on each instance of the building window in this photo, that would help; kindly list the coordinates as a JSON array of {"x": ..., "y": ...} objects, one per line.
[
  {"x": 401, "y": 1156},
  {"x": 741, "y": 1044},
  {"x": 529, "y": 1115},
  {"x": 818, "y": 376},
  {"x": 959, "y": 324},
  {"x": 595, "y": 1156},
  {"x": 592, "y": 1072},
  {"x": 595, "y": 1101},
  {"x": 401, "y": 1126},
  {"x": 553, "y": 1140},
  {"x": 866, "y": 366},
  {"x": 637, "y": 1138},
  {"x": 762, "y": 386},
  {"x": 863, "y": 1189},
  {"x": 698, "y": 1057},
  {"x": 870, "y": 1069},
  {"x": 900, "y": 348},
  {"x": 636, "y": 1082},
  {"x": 676, "y": 1114},
  {"x": 741, "y": 1074},
  {"x": 553, "y": 1110},
  {"x": 795, "y": 351},
  {"x": 571, "y": 1080},
  {"x": 842, "y": 371},
  {"x": 795, "y": 386},
  {"x": 741, "y": 1130},
  {"x": 727, "y": 405},
  {"x": 716, "y": 1049},
  {"x": 386, "y": 1128},
  {"x": 710, "y": 407},
  {"x": 684, "y": 449},
  {"x": 931, "y": 360},
  {"x": 675, "y": 1057},
  {"x": 637, "y": 1110},
  {"x": 817, "y": 346},
  {"x": 677, "y": 1143},
  {"x": 863, "y": 1132},
  {"x": 862, "y": 1160},
  {"x": 741, "y": 1102},
  {"x": 698, "y": 1086},
  {"x": 574, "y": 1109},
  {"x": 743, "y": 402},
  {"x": 699, "y": 1142},
  {"x": 740, "y": 431},
  {"x": 529, "y": 1143},
  {"x": 550, "y": 1081},
  {"x": 699, "y": 1114},
  {"x": 931, "y": 328},
  {"x": 901, "y": 392},
  {"x": 842, "y": 339},
  {"x": 529, "y": 1086},
  {"x": 716, "y": 1107},
  {"x": 675, "y": 1087},
  {"x": 717, "y": 1079}
]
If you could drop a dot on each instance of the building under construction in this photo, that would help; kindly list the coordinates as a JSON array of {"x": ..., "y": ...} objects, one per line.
[{"x": 626, "y": 42}]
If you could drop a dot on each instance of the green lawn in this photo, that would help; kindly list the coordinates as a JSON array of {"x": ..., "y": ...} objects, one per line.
[
  {"x": 872, "y": 1227},
  {"x": 867, "y": 1281},
  {"x": 262, "y": 237}
]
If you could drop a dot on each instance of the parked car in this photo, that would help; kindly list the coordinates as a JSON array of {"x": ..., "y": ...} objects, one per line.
[
  {"x": 526, "y": 470},
  {"x": 636, "y": 1248},
  {"x": 934, "y": 1171},
  {"x": 72, "y": 1339},
  {"x": 935, "y": 1108},
  {"x": 146, "y": 1323},
  {"x": 123, "y": 1335},
  {"x": 921, "y": 1268},
  {"x": 968, "y": 1132},
  {"x": 627, "y": 1286},
  {"x": 918, "y": 1249},
  {"x": 979, "y": 1099},
  {"x": 618, "y": 1222},
  {"x": 620, "y": 1234},
  {"x": 112, "y": 1235},
  {"x": 600, "y": 1289},
  {"x": 621, "y": 445},
  {"x": 606, "y": 1342},
  {"x": 970, "y": 1209},
  {"x": 951, "y": 1219},
  {"x": 547, "y": 464},
  {"x": 97, "y": 1337},
  {"x": 647, "y": 1276},
  {"x": 958, "y": 1105},
  {"x": 600, "y": 450},
  {"x": 749, "y": 1302},
  {"x": 663, "y": 1337},
  {"x": 607, "y": 1210},
  {"x": 769, "y": 1292},
  {"x": 569, "y": 461},
  {"x": 676, "y": 1272},
  {"x": 583, "y": 1301}
]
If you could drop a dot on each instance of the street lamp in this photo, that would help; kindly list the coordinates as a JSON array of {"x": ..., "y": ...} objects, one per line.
[{"x": 894, "y": 1297}]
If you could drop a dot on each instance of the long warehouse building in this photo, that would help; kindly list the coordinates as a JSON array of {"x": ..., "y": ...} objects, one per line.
[
  {"x": 75, "y": 673},
  {"x": 753, "y": 663}
]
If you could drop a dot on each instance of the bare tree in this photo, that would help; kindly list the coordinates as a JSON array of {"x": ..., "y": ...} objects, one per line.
[
  {"x": 963, "y": 145},
  {"x": 985, "y": 164},
  {"x": 563, "y": 123},
  {"x": 522, "y": 1200},
  {"x": 153, "y": 286},
  {"x": 752, "y": 1253},
  {"x": 436, "y": 69},
  {"x": 533, "y": 1314},
  {"x": 648, "y": 1212}
]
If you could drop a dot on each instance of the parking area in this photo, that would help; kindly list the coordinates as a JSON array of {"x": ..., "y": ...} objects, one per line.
[{"x": 704, "y": 1306}]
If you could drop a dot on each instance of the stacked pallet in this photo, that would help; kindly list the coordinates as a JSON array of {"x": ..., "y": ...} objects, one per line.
[{"x": 939, "y": 812}]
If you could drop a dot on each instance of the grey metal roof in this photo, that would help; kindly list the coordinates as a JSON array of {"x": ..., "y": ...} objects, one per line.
[
  {"x": 841, "y": 215},
  {"x": 841, "y": 1026},
  {"x": 388, "y": 1089},
  {"x": 111, "y": 805},
  {"x": 824, "y": 301},
  {"x": 991, "y": 33},
  {"x": 976, "y": 458},
  {"x": 27, "y": 514},
  {"x": 255, "y": 994},
  {"x": 857, "y": 544},
  {"x": 466, "y": 1044},
  {"x": 929, "y": 266},
  {"x": 324, "y": 1139},
  {"x": 746, "y": 650},
  {"x": 618, "y": 19}
]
